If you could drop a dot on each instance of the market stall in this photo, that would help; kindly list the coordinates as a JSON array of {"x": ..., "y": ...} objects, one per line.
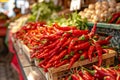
[{"x": 78, "y": 46}]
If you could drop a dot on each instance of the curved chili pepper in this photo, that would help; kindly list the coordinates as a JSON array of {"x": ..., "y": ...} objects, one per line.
[
  {"x": 90, "y": 51},
  {"x": 43, "y": 54},
  {"x": 79, "y": 32},
  {"x": 87, "y": 76},
  {"x": 67, "y": 42},
  {"x": 83, "y": 37},
  {"x": 99, "y": 52},
  {"x": 108, "y": 38},
  {"x": 52, "y": 59},
  {"x": 71, "y": 45},
  {"x": 61, "y": 55},
  {"x": 73, "y": 59},
  {"x": 64, "y": 28},
  {"x": 82, "y": 46},
  {"x": 52, "y": 45},
  {"x": 62, "y": 63},
  {"x": 93, "y": 30},
  {"x": 103, "y": 42},
  {"x": 114, "y": 17},
  {"x": 118, "y": 22},
  {"x": 112, "y": 72},
  {"x": 102, "y": 72},
  {"x": 94, "y": 73}
]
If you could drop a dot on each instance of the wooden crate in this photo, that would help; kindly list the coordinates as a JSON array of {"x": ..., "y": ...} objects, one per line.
[{"x": 62, "y": 71}]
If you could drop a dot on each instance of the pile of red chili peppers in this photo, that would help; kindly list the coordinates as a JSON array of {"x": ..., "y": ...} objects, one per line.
[
  {"x": 98, "y": 73},
  {"x": 58, "y": 45}
]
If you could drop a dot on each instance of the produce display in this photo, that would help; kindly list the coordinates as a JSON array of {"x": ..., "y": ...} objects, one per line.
[
  {"x": 73, "y": 20},
  {"x": 115, "y": 18},
  {"x": 98, "y": 73},
  {"x": 44, "y": 11},
  {"x": 100, "y": 11},
  {"x": 58, "y": 45}
]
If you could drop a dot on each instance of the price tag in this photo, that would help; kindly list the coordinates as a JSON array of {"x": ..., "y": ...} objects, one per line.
[{"x": 75, "y": 5}]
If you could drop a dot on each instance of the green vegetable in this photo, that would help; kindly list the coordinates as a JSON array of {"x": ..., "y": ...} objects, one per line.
[{"x": 46, "y": 10}]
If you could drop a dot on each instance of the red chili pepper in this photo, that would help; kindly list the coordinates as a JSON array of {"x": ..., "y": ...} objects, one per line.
[
  {"x": 52, "y": 59},
  {"x": 82, "y": 46},
  {"x": 102, "y": 72},
  {"x": 103, "y": 42},
  {"x": 56, "y": 62},
  {"x": 108, "y": 72},
  {"x": 90, "y": 51},
  {"x": 87, "y": 76},
  {"x": 73, "y": 59},
  {"x": 108, "y": 38},
  {"x": 118, "y": 22},
  {"x": 114, "y": 17},
  {"x": 74, "y": 77},
  {"x": 99, "y": 52},
  {"x": 93, "y": 30},
  {"x": 84, "y": 55},
  {"x": 112, "y": 72},
  {"x": 94, "y": 73},
  {"x": 50, "y": 37},
  {"x": 71, "y": 45},
  {"x": 44, "y": 53},
  {"x": 61, "y": 63},
  {"x": 61, "y": 55},
  {"x": 66, "y": 34},
  {"x": 56, "y": 49},
  {"x": 83, "y": 37},
  {"x": 79, "y": 32},
  {"x": 52, "y": 45},
  {"x": 67, "y": 42},
  {"x": 105, "y": 50},
  {"x": 48, "y": 65}
]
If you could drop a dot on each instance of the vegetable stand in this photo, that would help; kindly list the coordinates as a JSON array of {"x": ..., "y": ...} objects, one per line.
[
  {"x": 57, "y": 73},
  {"x": 54, "y": 73}
]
